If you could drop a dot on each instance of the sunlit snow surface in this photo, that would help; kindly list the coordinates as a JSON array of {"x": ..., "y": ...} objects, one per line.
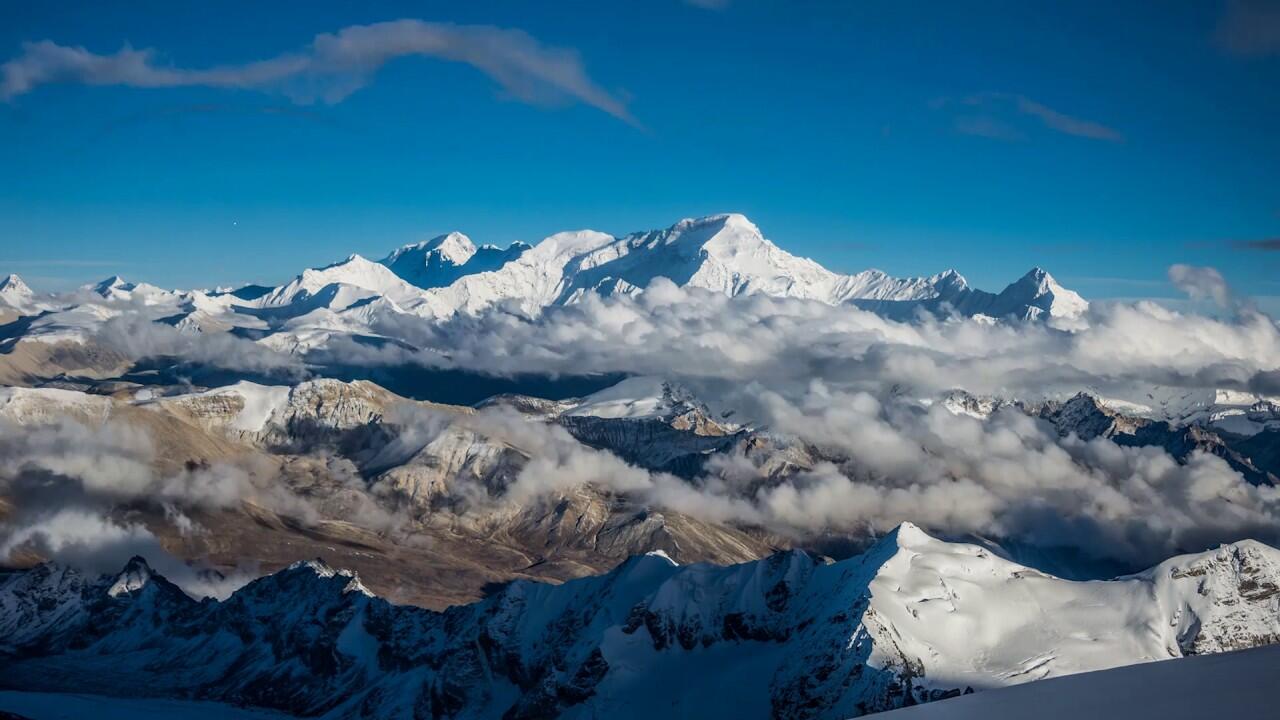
[{"x": 1230, "y": 685}]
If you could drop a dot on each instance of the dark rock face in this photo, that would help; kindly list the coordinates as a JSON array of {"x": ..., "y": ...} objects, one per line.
[
  {"x": 652, "y": 444},
  {"x": 813, "y": 640},
  {"x": 1263, "y": 449},
  {"x": 1089, "y": 419}
]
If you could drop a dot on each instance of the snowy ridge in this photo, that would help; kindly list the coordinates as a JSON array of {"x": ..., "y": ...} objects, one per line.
[
  {"x": 449, "y": 275},
  {"x": 913, "y": 619},
  {"x": 722, "y": 253},
  {"x": 15, "y": 293},
  {"x": 442, "y": 260}
]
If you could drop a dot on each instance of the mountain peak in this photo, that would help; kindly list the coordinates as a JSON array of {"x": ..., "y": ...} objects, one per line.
[
  {"x": 114, "y": 286},
  {"x": 317, "y": 566},
  {"x": 1040, "y": 279},
  {"x": 14, "y": 291},
  {"x": 909, "y": 535},
  {"x": 134, "y": 577},
  {"x": 950, "y": 279},
  {"x": 323, "y": 571},
  {"x": 441, "y": 260},
  {"x": 733, "y": 220},
  {"x": 906, "y": 536},
  {"x": 1042, "y": 293},
  {"x": 453, "y": 247},
  {"x": 13, "y": 283}
]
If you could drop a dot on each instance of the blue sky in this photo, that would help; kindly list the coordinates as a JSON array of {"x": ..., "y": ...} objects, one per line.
[{"x": 1101, "y": 140}]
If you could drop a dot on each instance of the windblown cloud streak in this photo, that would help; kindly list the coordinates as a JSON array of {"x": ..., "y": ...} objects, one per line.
[
  {"x": 1265, "y": 245},
  {"x": 995, "y": 114},
  {"x": 333, "y": 66}
]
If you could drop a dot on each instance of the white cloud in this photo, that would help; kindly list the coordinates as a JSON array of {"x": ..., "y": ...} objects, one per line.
[
  {"x": 333, "y": 66},
  {"x": 707, "y": 339},
  {"x": 1201, "y": 283}
]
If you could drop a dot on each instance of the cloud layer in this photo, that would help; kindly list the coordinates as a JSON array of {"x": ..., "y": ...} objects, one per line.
[
  {"x": 68, "y": 482},
  {"x": 844, "y": 389},
  {"x": 707, "y": 339},
  {"x": 865, "y": 464}
]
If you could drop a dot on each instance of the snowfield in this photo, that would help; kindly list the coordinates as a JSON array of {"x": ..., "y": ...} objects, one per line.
[{"x": 1230, "y": 685}]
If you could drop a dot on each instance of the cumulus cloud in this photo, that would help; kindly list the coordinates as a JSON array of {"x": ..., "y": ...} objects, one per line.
[
  {"x": 712, "y": 342},
  {"x": 69, "y": 481},
  {"x": 1201, "y": 283},
  {"x": 850, "y": 384},
  {"x": 862, "y": 464},
  {"x": 95, "y": 543},
  {"x": 843, "y": 393},
  {"x": 134, "y": 335},
  {"x": 1008, "y": 476},
  {"x": 557, "y": 462},
  {"x": 333, "y": 66}
]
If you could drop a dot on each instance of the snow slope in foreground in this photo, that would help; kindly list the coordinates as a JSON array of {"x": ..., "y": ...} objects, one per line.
[
  {"x": 68, "y": 706},
  {"x": 1229, "y": 685}
]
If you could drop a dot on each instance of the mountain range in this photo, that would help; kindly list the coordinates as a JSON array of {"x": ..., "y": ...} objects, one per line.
[
  {"x": 448, "y": 275},
  {"x": 910, "y": 620},
  {"x": 715, "y": 531}
]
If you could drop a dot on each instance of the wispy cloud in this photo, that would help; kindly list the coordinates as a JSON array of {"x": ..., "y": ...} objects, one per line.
[
  {"x": 987, "y": 127},
  {"x": 333, "y": 66},
  {"x": 1064, "y": 123},
  {"x": 997, "y": 115},
  {"x": 1250, "y": 28},
  {"x": 1264, "y": 245}
]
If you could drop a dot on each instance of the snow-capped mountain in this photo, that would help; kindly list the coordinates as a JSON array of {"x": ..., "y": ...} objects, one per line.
[
  {"x": 15, "y": 293},
  {"x": 1086, "y": 417},
  {"x": 440, "y": 261},
  {"x": 1034, "y": 296},
  {"x": 117, "y": 288},
  {"x": 911, "y": 620},
  {"x": 722, "y": 253},
  {"x": 399, "y": 302},
  {"x": 435, "y": 280},
  {"x": 339, "y": 286}
]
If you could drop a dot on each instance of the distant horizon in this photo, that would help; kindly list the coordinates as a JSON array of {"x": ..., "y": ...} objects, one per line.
[{"x": 1163, "y": 291}]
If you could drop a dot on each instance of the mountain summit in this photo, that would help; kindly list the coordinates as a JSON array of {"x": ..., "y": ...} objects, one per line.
[
  {"x": 722, "y": 253},
  {"x": 440, "y": 261},
  {"x": 1041, "y": 294},
  {"x": 15, "y": 292},
  {"x": 449, "y": 275}
]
